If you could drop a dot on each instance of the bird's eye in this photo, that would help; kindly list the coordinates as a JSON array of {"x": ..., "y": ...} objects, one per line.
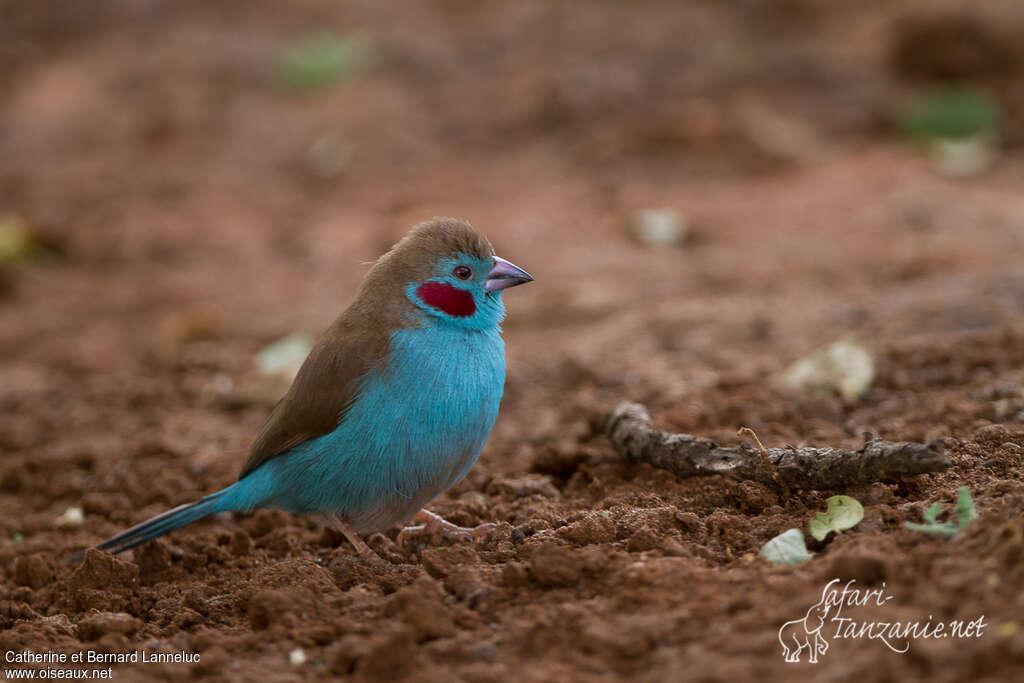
[{"x": 462, "y": 272}]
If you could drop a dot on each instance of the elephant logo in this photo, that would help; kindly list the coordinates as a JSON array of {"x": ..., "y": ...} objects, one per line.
[{"x": 805, "y": 634}]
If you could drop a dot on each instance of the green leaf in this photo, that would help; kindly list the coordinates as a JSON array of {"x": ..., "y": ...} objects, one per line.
[
  {"x": 15, "y": 239},
  {"x": 786, "y": 548},
  {"x": 932, "y": 513},
  {"x": 965, "y": 511},
  {"x": 944, "y": 529},
  {"x": 321, "y": 60},
  {"x": 953, "y": 114},
  {"x": 21, "y": 243},
  {"x": 843, "y": 513}
]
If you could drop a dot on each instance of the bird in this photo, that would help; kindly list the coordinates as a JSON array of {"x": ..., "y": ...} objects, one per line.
[{"x": 393, "y": 404}]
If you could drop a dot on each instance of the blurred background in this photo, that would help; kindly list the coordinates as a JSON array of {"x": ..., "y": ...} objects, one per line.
[
  {"x": 676, "y": 174},
  {"x": 705, "y": 192},
  {"x": 250, "y": 156}
]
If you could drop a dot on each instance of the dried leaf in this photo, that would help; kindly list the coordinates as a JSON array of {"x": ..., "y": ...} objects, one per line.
[
  {"x": 844, "y": 367},
  {"x": 284, "y": 357},
  {"x": 656, "y": 227}
]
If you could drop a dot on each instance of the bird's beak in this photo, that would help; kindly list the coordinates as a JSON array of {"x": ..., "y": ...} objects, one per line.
[{"x": 504, "y": 275}]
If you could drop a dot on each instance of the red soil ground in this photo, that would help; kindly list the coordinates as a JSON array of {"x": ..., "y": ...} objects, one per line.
[{"x": 150, "y": 145}]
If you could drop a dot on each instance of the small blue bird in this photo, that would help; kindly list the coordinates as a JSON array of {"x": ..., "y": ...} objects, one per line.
[{"x": 394, "y": 403}]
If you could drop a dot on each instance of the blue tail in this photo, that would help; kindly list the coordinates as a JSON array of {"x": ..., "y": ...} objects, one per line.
[{"x": 162, "y": 524}]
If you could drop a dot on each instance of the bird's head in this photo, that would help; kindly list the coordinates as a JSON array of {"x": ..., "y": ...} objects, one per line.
[{"x": 450, "y": 274}]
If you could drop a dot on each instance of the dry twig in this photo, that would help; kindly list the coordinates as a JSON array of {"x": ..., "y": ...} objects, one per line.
[
  {"x": 635, "y": 438},
  {"x": 766, "y": 462}
]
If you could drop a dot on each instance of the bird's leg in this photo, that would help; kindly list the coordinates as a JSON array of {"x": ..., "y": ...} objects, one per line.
[
  {"x": 432, "y": 523},
  {"x": 338, "y": 523}
]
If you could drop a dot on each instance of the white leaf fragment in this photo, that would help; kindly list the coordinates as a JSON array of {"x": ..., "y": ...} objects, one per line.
[{"x": 786, "y": 548}]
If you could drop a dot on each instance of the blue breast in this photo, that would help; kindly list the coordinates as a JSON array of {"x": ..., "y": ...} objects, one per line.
[{"x": 416, "y": 428}]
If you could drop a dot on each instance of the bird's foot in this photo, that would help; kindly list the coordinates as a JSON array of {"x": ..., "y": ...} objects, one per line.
[
  {"x": 436, "y": 523},
  {"x": 339, "y": 524}
]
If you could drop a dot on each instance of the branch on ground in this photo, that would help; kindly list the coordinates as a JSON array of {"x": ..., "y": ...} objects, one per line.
[{"x": 635, "y": 438}]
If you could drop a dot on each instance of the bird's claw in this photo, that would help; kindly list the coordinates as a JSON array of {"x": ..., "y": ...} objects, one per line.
[{"x": 435, "y": 523}]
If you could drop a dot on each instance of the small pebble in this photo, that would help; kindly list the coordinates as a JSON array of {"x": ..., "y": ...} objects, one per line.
[{"x": 297, "y": 657}]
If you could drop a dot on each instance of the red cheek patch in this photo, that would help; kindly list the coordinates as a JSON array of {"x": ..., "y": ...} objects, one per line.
[{"x": 451, "y": 300}]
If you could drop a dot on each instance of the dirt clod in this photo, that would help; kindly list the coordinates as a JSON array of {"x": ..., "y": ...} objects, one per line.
[
  {"x": 34, "y": 571},
  {"x": 100, "y": 570},
  {"x": 95, "y": 625}
]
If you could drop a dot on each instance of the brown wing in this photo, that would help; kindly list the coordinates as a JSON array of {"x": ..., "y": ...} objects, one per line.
[
  {"x": 322, "y": 390},
  {"x": 358, "y": 339}
]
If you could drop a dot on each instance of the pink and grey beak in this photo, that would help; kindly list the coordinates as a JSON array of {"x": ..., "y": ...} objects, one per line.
[{"x": 504, "y": 275}]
